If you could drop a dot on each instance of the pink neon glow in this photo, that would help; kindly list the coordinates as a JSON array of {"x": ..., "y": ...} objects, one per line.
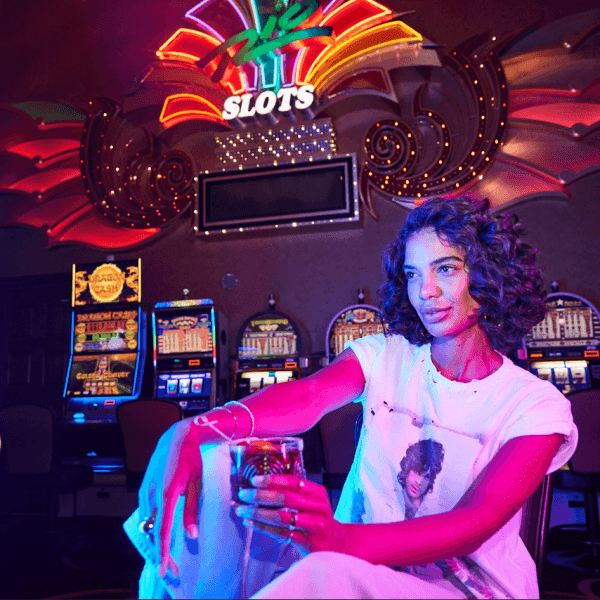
[
  {"x": 590, "y": 92},
  {"x": 555, "y": 154},
  {"x": 57, "y": 213},
  {"x": 75, "y": 125},
  {"x": 199, "y": 7},
  {"x": 91, "y": 228},
  {"x": 332, "y": 6},
  {"x": 529, "y": 168},
  {"x": 565, "y": 114},
  {"x": 505, "y": 182},
  {"x": 528, "y": 93},
  {"x": 44, "y": 148},
  {"x": 203, "y": 24},
  {"x": 42, "y": 182}
]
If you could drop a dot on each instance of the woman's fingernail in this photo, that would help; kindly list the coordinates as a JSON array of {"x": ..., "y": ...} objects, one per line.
[
  {"x": 241, "y": 511},
  {"x": 259, "y": 480},
  {"x": 245, "y": 494},
  {"x": 162, "y": 571},
  {"x": 193, "y": 532}
]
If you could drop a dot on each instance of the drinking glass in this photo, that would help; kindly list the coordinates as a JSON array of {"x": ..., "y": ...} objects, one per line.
[{"x": 262, "y": 456}]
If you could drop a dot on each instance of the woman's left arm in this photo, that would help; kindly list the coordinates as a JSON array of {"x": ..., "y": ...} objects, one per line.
[{"x": 493, "y": 499}]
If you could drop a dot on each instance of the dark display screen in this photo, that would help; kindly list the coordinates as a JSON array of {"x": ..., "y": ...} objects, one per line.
[
  {"x": 102, "y": 375},
  {"x": 257, "y": 197},
  {"x": 320, "y": 191},
  {"x": 184, "y": 333}
]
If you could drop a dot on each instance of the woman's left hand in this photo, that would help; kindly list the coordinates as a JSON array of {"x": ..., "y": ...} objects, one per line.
[{"x": 294, "y": 510}]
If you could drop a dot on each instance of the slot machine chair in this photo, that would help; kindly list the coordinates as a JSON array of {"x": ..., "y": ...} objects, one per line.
[
  {"x": 336, "y": 429},
  {"x": 31, "y": 478},
  {"x": 339, "y": 454},
  {"x": 142, "y": 423},
  {"x": 584, "y": 476}
]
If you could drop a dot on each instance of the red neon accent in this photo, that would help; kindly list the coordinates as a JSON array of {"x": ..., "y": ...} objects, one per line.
[
  {"x": 528, "y": 93},
  {"x": 505, "y": 183},
  {"x": 58, "y": 213},
  {"x": 45, "y": 148},
  {"x": 188, "y": 46},
  {"x": 109, "y": 403},
  {"x": 371, "y": 80},
  {"x": 565, "y": 114},
  {"x": 187, "y": 107},
  {"x": 61, "y": 124},
  {"x": 94, "y": 230},
  {"x": 42, "y": 182},
  {"x": 591, "y": 353},
  {"x": 529, "y": 168}
]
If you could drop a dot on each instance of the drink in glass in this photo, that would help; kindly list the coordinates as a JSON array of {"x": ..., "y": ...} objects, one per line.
[{"x": 264, "y": 456}]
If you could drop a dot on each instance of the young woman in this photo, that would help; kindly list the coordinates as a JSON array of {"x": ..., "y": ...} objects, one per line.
[{"x": 455, "y": 439}]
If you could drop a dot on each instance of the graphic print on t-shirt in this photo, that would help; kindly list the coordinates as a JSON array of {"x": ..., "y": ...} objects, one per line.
[{"x": 418, "y": 469}]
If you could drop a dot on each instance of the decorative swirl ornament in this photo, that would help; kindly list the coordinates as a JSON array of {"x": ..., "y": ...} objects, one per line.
[{"x": 127, "y": 177}]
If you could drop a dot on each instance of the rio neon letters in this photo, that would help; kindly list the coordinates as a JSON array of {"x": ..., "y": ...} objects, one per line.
[
  {"x": 241, "y": 106},
  {"x": 259, "y": 46}
]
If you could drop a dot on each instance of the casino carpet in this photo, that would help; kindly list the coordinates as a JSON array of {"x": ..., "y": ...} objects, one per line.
[{"x": 90, "y": 557}]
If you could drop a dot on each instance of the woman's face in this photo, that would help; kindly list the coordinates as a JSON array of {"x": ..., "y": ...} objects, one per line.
[{"x": 438, "y": 285}]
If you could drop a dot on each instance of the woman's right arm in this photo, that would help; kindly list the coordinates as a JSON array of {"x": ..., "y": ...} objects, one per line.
[{"x": 278, "y": 410}]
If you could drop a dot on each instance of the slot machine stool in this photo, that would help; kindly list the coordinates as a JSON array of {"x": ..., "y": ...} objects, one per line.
[
  {"x": 584, "y": 476},
  {"x": 142, "y": 423},
  {"x": 31, "y": 477}
]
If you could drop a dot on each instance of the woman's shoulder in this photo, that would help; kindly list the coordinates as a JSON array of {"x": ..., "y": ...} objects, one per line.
[
  {"x": 393, "y": 346},
  {"x": 524, "y": 383}
]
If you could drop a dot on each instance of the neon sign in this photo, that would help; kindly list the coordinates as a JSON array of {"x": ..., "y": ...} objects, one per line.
[{"x": 261, "y": 46}]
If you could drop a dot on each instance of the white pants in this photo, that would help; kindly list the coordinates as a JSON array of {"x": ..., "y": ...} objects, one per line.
[{"x": 212, "y": 566}]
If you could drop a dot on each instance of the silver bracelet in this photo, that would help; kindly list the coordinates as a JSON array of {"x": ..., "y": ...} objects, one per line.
[
  {"x": 249, "y": 412},
  {"x": 211, "y": 424}
]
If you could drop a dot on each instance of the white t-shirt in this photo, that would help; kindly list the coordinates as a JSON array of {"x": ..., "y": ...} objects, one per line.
[{"x": 425, "y": 440}]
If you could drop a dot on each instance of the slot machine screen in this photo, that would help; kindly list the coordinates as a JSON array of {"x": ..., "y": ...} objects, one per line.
[
  {"x": 106, "y": 331},
  {"x": 353, "y": 323},
  {"x": 184, "y": 333},
  {"x": 102, "y": 375},
  {"x": 261, "y": 379},
  {"x": 564, "y": 348},
  {"x": 268, "y": 337}
]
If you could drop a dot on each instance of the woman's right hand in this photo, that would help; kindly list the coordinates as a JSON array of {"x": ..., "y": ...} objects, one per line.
[{"x": 175, "y": 470}]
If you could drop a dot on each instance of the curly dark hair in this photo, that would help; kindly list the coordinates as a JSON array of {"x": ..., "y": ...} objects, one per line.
[
  {"x": 503, "y": 276},
  {"x": 424, "y": 457}
]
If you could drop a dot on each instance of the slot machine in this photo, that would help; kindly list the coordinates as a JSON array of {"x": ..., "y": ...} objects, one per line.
[
  {"x": 108, "y": 340},
  {"x": 565, "y": 347},
  {"x": 190, "y": 354},
  {"x": 349, "y": 324},
  {"x": 269, "y": 351}
]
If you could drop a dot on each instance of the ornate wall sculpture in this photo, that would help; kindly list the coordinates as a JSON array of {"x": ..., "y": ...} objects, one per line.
[{"x": 507, "y": 119}]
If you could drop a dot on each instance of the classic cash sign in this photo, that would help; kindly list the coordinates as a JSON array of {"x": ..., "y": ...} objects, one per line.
[{"x": 244, "y": 106}]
